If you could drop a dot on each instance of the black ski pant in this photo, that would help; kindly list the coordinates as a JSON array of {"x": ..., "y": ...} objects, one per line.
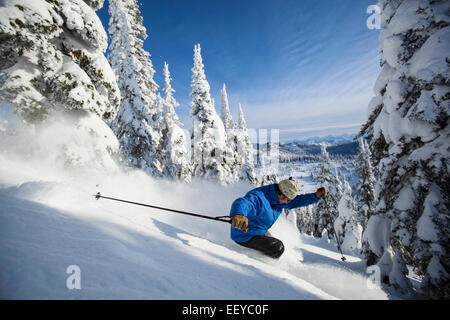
[{"x": 268, "y": 245}]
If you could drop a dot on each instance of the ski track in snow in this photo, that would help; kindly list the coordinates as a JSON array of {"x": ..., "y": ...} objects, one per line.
[{"x": 130, "y": 252}]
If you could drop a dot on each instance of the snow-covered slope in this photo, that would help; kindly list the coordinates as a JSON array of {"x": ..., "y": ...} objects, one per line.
[{"x": 49, "y": 221}]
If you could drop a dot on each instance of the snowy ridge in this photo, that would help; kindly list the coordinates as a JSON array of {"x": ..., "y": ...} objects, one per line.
[
  {"x": 129, "y": 252},
  {"x": 328, "y": 140}
]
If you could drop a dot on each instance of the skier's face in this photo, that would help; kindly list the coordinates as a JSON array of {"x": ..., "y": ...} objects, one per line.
[{"x": 283, "y": 199}]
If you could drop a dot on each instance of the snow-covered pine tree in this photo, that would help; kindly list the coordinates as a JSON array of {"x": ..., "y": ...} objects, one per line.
[
  {"x": 366, "y": 183},
  {"x": 347, "y": 228},
  {"x": 408, "y": 128},
  {"x": 53, "y": 63},
  {"x": 365, "y": 194},
  {"x": 244, "y": 151},
  {"x": 208, "y": 135},
  {"x": 177, "y": 162},
  {"x": 135, "y": 125},
  {"x": 232, "y": 136},
  {"x": 53, "y": 59},
  {"x": 327, "y": 211},
  {"x": 305, "y": 220}
]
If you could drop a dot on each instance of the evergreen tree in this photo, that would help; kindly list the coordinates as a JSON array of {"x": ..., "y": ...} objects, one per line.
[
  {"x": 347, "y": 229},
  {"x": 305, "y": 220},
  {"x": 408, "y": 128},
  {"x": 232, "y": 136},
  {"x": 53, "y": 65},
  {"x": 176, "y": 157},
  {"x": 53, "y": 60},
  {"x": 136, "y": 123},
  {"x": 208, "y": 136},
  {"x": 365, "y": 194},
  {"x": 244, "y": 151},
  {"x": 327, "y": 211},
  {"x": 366, "y": 183}
]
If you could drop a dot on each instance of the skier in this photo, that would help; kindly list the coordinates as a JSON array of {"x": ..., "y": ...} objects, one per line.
[{"x": 254, "y": 214}]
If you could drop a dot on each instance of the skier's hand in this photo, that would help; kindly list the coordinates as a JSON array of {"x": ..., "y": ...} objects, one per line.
[
  {"x": 321, "y": 193},
  {"x": 240, "y": 222}
]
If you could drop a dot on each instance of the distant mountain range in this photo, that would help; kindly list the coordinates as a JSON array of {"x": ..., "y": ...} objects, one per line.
[
  {"x": 297, "y": 149},
  {"x": 308, "y": 149},
  {"x": 336, "y": 145},
  {"x": 327, "y": 140}
]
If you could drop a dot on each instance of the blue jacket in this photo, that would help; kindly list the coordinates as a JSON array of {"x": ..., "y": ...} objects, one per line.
[{"x": 262, "y": 208}]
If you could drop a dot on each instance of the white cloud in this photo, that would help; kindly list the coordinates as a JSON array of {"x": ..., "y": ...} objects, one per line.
[
  {"x": 302, "y": 103},
  {"x": 327, "y": 111}
]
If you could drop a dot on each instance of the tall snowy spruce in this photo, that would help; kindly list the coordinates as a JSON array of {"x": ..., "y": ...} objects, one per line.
[
  {"x": 176, "y": 158},
  {"x": 135, "y": 125},
  {"x": 208, "y": 135},
  {"x": 408, "y": 128},
  {"x": 326, "y": 212},
  {"x": 53, "y": 70},
  {"x": 244, "y": 151},
  {"x": 365, "y": 194},
  {"x": 232, "y": 137},
  {"x": 366, "y": 183},
  {"x": 305, "y": 220},
  {"x": 347, "y": 229}
]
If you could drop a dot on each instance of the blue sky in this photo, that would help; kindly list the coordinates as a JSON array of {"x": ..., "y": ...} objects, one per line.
[{"x": 304, "y": 67}]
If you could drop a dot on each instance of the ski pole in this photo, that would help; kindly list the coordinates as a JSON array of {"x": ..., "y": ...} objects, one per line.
[
  {"x": 226, "y": 219},
  {"x": 334, "y": 231}
]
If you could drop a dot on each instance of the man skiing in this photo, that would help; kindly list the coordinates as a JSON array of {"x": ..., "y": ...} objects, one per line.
[{"x": 254, "y": 214}]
